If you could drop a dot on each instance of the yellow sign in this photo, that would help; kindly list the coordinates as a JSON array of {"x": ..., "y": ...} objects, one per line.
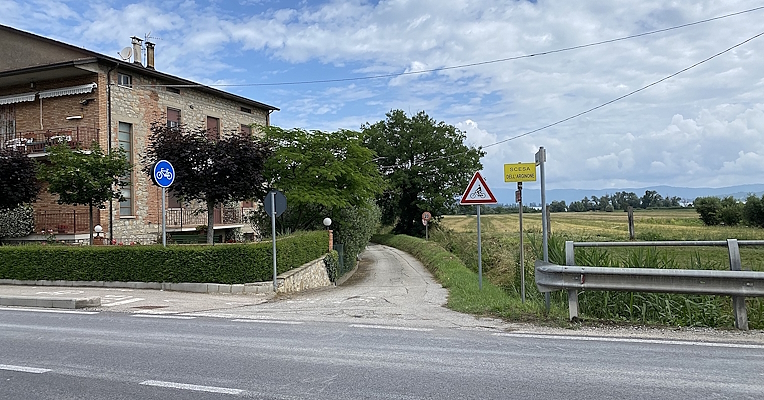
[{"x": 520, "y": 172}]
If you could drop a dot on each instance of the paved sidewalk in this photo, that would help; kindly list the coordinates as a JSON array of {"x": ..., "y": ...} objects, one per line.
[{"x": 128, "y": 300}]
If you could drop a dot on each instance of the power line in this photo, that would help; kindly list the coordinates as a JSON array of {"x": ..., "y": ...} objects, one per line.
[
  {"x": 500, "y": 60},
  {"x": 611, "y": 101},
  {"x": 628, "y": 94}
]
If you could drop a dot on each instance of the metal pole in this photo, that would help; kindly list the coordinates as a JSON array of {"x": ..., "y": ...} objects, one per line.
[
  {"x": 522, "y": 252},
  {"x": 480, "y": 253},
  {"x": 544, "y": 233},
  {"x": 427, "y": 231},
  {"x": 273, "y": 230},
  {"x": 164, "y": 227},
  {"x": 738, "y": 302}
]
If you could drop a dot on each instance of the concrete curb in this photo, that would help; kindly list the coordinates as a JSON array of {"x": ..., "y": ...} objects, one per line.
[
  {"x": 247, "y": 288},
  {"x": 50, "y": 302}
]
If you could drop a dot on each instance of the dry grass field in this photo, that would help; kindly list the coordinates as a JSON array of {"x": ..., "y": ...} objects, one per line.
[{"x": 674, "y": 224}]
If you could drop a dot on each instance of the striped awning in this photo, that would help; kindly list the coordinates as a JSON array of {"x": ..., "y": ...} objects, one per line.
[
  {"x": 81, "y": 89},
  {"x": 17, "y": 98}
]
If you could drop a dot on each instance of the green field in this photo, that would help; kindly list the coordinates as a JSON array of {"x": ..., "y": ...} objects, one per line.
[{"x": 501, "y": 263}]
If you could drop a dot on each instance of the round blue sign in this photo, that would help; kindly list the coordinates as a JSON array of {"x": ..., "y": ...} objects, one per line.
[{"x": 164, "y": 174}]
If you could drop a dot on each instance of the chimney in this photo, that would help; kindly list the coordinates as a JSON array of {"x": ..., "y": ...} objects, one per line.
[
  {"x": 137, "y": 54},
  {"x": 149, "y": 55}
]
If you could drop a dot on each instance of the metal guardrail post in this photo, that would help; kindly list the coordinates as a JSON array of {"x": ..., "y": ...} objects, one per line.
[
  {"x": 570, "y": 259},
  {"x": 738, "y": 302}
]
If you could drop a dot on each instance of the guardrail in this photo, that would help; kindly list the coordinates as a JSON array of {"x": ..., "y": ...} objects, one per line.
[{"x": 736, "y": 283}]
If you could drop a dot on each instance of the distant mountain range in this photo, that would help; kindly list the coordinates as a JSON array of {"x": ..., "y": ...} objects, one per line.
[{"x": 507, "y": 195}]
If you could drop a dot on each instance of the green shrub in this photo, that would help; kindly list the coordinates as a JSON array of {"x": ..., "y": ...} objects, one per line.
[
  {"x": 228, "y": 264},
  {"x": 709, "y": 209},
  {"x": 753, "y": 211},
  {"x": 332, "y": 263},
  {"x": 354, "y": 227}
]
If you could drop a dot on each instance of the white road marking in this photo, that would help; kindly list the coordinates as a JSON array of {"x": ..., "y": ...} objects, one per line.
[
  {"x": 18, "y": 368},
  {"x": 62, "y": 292},
  {"x": 269, "y": 321},
  {"x": 155, "y": 312},
  {"x": 633, "y": 340},
  {"x": 198, "y": 388},
  {"x": 46, "y": 310},
  {"x": 394, "y": 328},
  {"x": 122, "y": 302},
  {"x": 162, "y": 316}
]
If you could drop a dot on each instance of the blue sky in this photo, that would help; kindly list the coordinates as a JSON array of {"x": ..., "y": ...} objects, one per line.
[{"x": 702, "y": 128}]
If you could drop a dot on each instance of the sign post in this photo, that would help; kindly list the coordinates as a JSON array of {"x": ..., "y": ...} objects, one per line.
[
  {"x": 540, "y": 160},
  {"x": 478, "y": 193},
  {"x": 163, "y": 176},
  {"x": 426, "y": 216},
  {"x": 520, "y": 172},
  {"x": 274, "y": 204},
  {"x": 519, "y": 199}
]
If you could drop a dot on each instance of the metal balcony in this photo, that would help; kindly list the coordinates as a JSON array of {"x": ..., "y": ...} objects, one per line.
[{"x": 37, "y": 142}]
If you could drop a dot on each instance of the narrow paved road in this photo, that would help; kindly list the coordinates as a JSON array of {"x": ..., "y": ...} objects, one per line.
[{"x": 389, "y": 287}]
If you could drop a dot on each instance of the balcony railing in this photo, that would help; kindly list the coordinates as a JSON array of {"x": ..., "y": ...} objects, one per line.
[
  {"x": 189, "y": 218},
  {"x": 76, "y": 222},
  {"x": 63, "y": 222},
  {"x": 34, "y": 142}
]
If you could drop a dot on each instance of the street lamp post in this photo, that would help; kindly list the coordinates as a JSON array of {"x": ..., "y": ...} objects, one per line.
[{"x": 327, "y": 222}]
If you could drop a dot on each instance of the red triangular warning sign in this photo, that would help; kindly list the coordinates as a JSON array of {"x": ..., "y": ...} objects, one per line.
[{"x": 477, "y": 192}]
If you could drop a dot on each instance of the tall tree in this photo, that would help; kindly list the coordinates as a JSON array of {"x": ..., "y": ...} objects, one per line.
[
  {"x": 425, "y": 163},
  {"x": 320, "y": 172},
  {"x": 18, "y": 180},
  {"x": 85, "y": 177},
  {"x": 209, "y": 169},
  {"x": 651, "y": 199}
]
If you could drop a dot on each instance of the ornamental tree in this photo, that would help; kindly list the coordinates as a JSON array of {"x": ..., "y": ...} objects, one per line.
[
  {"x": 425, "y": 163},
  {"x": 18, "y": 180},
  {"x": 209, "y": 169},
  {"x": 87, "y": 177}
]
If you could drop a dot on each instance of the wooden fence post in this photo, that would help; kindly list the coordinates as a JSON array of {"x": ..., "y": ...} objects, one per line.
[{"x": 631, "y": 223}]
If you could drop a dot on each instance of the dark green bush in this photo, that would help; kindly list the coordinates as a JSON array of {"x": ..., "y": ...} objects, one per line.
[
  {"x": 709, "y": 209},
  {"x": 228, "y": 264}
]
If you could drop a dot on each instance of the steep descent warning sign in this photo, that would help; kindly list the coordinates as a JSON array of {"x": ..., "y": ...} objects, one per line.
[{"x": 477, "y": 192}]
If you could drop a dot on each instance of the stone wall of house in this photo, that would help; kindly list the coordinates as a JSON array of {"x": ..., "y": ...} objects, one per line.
[{"x": 146, "y": 102}]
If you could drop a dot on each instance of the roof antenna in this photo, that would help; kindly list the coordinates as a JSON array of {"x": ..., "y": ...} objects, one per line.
[{"x": 148, "y": 36}]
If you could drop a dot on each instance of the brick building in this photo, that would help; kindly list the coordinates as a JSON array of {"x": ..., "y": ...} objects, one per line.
[{"x": 53, "y": 92}]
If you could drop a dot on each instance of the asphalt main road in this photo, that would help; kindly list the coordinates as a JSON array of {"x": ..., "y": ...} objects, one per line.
[
  {"x": 384, "y": 334},
  {"x": 60, "y": 355}
]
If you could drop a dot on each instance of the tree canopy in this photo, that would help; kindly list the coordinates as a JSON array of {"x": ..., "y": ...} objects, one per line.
[
  {"x": 320, "y": 172},
  {"x": 425, "y": 164},
  {"x": 210, "y": 170},
  {"x": 18, "y": 180},
  {"x": 87, "y": 177}
]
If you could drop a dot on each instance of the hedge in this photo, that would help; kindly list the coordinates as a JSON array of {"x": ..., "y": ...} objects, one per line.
[{"x": 227, "y": 264}]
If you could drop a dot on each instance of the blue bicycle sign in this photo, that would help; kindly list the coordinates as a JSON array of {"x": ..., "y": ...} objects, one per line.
[{"x": 164, "y": 174}]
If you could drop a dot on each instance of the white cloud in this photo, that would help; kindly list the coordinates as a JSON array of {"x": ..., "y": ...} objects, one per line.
[{"x": 700, "y": 128}]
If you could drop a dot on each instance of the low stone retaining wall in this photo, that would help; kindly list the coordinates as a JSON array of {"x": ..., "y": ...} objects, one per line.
[{"x": 308, "y": 276}]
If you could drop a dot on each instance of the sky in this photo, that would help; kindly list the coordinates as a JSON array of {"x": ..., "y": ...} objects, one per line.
[{"x": 701, "y": 128}]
